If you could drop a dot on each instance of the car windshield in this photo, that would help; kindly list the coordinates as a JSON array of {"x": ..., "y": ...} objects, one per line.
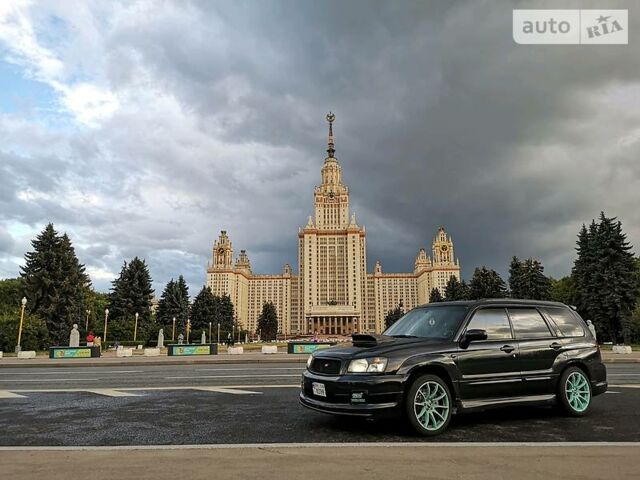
[{"x": 438, "y": 323}]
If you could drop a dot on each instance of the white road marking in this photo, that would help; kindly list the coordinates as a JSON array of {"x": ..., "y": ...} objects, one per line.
[
  {"x": 623, "y": 374},
  {"x": 40, "y": 380},
  {"x": 109, "y": 392},
  {"x": 341, "y": 445},
  {"x": 123, "y": 392},
  {"x": 300, "y": 369},
  {"x": 71, "y": 372},
  {"x": 609, "y": 391},
  {"x": 232, "y": 376},
  {"x": 233, "y": 391},
  {"x": 625, "y": 385},
  {"x": 7, "y": 394}
]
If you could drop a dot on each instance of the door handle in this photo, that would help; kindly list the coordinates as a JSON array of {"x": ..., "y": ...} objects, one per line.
[
  {"x": 507, "y": 348},
  {"x": 556, "y": 346}
]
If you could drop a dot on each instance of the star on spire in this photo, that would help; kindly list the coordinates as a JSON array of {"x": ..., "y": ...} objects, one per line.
[{"x": 331, "y": 150}]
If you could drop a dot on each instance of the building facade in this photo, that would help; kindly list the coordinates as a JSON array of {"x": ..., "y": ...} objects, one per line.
[{"x": 331, "y": 293}]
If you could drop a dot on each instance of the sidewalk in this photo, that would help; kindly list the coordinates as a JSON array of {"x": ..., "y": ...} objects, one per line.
[{"x": 109, "y": 359}]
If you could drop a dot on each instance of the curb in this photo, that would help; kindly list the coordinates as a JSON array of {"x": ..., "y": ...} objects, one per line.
[{"x": 70, "y": 363}]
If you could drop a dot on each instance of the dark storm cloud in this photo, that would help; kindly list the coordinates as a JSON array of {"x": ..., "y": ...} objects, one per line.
[{"x": 441, "y": 120}]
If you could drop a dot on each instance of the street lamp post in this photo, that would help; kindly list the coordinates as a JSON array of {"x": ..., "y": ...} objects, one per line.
[
  {"x": 173, "y": 332},
  {"x": 210, "y": 332},
  {"x": 218, "y": 333},
  {"x": 86, "y": 325},
  {"x": 135, "y": 328},
  {"x": 106, "y": 318},
  {"x": 23, "y": 305},
  {"x": 188, "y": 329}
]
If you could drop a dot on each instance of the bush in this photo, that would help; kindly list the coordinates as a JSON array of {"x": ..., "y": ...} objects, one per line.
[{"x": 34, "y": 333}]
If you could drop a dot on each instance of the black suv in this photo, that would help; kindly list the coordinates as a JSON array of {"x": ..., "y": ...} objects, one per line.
[{"x": 453, "y": 357}]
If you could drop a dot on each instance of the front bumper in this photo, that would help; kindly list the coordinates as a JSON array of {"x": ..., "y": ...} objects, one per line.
[{"x": 356, "y": 395}]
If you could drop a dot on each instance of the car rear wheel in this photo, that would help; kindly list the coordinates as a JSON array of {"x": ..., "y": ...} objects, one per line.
[
  {"x": 574, "y": 392},
  {"x": 428, "y": 405}
]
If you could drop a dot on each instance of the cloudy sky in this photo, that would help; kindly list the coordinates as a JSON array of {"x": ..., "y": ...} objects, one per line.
[{"x": 146, "y": 127}]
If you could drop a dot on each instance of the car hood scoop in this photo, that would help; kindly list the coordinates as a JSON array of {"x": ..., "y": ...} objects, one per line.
[{"x": 365, "y": 340}]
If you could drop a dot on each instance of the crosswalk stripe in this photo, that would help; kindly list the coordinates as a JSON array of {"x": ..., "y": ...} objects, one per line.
[
  {"x": 8, "y": 394},
  {"x": 108, "y": 392},
  {"x": 233, "y": 391}
]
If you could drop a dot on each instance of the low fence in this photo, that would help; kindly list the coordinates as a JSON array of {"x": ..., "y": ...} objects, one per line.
[
  {"x": 178, "y": 350},
  {"x": 74, "y": 352}
]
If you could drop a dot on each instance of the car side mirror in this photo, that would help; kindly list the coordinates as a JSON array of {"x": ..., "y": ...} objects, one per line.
[{"x": 473, "y": 335}]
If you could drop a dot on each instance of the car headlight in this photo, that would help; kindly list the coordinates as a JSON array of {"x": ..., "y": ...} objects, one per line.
[
  {"x": 309, "y": 360},
  {"x": 367, "y": 365}
]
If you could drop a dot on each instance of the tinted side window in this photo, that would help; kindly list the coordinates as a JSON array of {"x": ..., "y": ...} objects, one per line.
[
  {"x": 528, "y": 323},
  {"x": 567, "y": 322},
  {"x": 494, "y": 321}
]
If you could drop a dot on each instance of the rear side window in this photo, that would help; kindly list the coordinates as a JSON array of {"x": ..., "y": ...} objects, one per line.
[
  {"x": 494, "y": 321},
  {"x": 528, "y": 323},
  {"x": 567, "y": 322}
]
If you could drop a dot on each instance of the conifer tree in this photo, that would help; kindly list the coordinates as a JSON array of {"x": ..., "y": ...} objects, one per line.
[
  {"x": 527, "y": 280},
  {"x": 456, "y": 290},
  {"x": 268, "y": 322},
  {"x": 515, "y": 275},
  {"x": 435, "y": 296},
  {"x": 131, "y": 293},
  {"x": 55, "y": 284},
  {"x": 174, "y": 303},
  {"x": 204, "y": 310},
  {"x": 225, "y": 316},
  {"x": 486, "y": 283},
  {"x": 606, "y": 278},
  {"x": 394, "y": 315}
]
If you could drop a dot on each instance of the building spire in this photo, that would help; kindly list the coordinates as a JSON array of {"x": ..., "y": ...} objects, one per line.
[{"x": 331, "y": 150}]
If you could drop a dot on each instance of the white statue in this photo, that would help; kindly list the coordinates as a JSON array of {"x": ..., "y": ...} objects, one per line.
[
  {"x": 203, "y": 338},
  {"x": 74, "y": 338},
  {"x": 180, "y": 339},
  {"x": 161, "y": 338}
]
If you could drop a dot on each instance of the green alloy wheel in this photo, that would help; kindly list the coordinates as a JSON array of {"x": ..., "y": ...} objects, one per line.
[
  {"x": 428, "y": 405},
  {"x": 575, "y": 391}
]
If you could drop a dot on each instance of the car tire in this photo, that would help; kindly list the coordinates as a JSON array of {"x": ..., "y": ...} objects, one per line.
[
  {"x": 574, "y": 392},
  {"x": 428, "y": 405}
]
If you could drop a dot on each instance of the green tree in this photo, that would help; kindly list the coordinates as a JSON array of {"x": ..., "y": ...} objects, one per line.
[
  {"x": 11, "y": 293},
  {"x": 225, "y": 316},
  {"x": 486, "y": 283},
  {"x": 204, "y": 310},
  {"x": 97, "y": 303},
  {"x": 527, "y": 280},
  {"x": 435, "y": 296},
  {"x": 35, "y": 335},
  {"x": 515, "y": 277},
  {"x": 456, "y": 290},
  {"x": 131, "y": 293},
  {"x": 394, "y": 315},
  {"x": 564, "y": 290},
  {"x": 174, "y": 302},
  {"x": 606, "y": 277},
  {"x": 268, "y": 322},
  {"x": 55, "y": 283}
]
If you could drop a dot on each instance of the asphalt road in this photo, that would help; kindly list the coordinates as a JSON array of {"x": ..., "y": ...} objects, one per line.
[{"x": 240, "y": 404}]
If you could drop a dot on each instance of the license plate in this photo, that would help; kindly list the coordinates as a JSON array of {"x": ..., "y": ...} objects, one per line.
[
  {"x": 318, "y": 389},
  {"x": 358, "y": 397}
]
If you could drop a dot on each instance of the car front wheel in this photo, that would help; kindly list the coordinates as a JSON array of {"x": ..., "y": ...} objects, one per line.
[
  {"x": 574, "y": 392},
  {"x": 428, "y": 405}
]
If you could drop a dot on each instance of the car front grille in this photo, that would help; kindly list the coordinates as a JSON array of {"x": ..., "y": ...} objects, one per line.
[{"x": 326, "y": 366}]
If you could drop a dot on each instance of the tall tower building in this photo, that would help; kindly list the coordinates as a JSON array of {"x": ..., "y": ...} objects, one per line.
[{"x": 332, "y": 293}]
